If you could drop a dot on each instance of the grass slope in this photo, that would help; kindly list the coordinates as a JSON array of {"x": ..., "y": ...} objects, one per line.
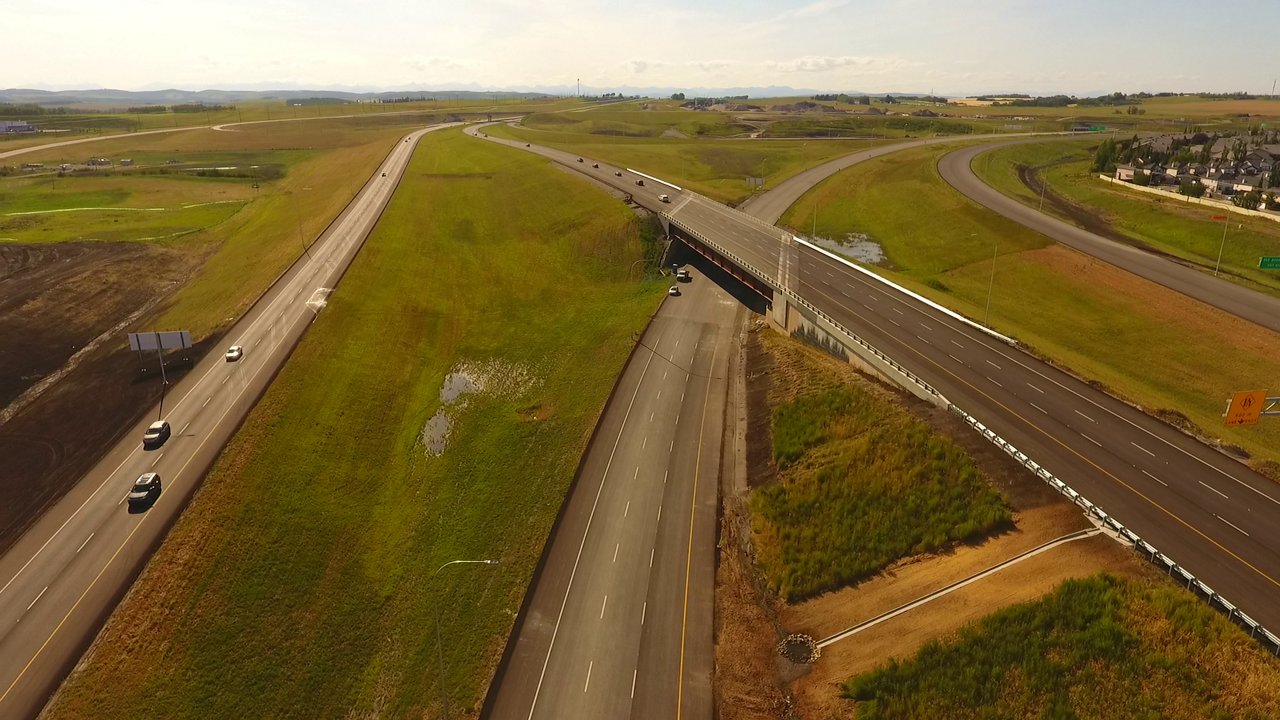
[
  {"x": 300, "y": 582},
  {"x": 1149, "y": 344},
  {"x": 1099, "y": 647},
  {"x": 861, "y": 484}
]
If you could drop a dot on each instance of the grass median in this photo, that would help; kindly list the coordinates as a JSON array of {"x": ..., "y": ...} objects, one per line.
[
  {"x": 300, "y": 582},
  {"x": 1149, "y": 344}
]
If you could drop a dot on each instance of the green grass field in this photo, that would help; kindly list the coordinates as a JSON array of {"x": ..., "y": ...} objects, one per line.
[
  {"x": 1147, "y": 343},
  {"x": 1098, "y": 647},
  {"x": 300, "y": 581},
  {"x": 861, "y": 484},
  {"x": 1167, "y": 224}
]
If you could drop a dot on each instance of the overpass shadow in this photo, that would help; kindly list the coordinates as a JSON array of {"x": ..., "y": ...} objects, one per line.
[{"x": 679, "y": 253}]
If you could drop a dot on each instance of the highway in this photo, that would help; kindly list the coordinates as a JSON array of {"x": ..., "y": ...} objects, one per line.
[
  {"x": 619, "y": 621},
  {"x": 1256, "y": 307},
  {"x": 1208, "y": 512},
  {"x": 63, "y": 578}
]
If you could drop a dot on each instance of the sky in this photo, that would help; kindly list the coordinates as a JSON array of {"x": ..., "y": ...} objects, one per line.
[{"x": 949, "y": 47}]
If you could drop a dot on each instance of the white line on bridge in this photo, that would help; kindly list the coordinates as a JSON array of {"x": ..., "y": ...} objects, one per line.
[
  {"x": 1142, "y": 448},
  {"x": 1153, "y": 477},
  {"x": 995, "y": 382},
  {"x": 993, "y": 365},
  {"x": 206, "y": 401},
  {"x": 1086, "y": 417},
  {"x": 153, "y": 462},
  {"x": 1086, "y": 437},
  {"x": 615, "y": 551},
  {"x": 1214, "y": 489},
  {"x": 1033, "y": 387},
  {"x": 1233, "y": 525},
  {"x": 588, "y": 683},
  {"x": 603, "y": 605},
  {"x": 1046, "y": 412},
  {"x": 86, "y": 542},
  {"x": 627, "y": 509},
  {"x": 42, "y": 592}
]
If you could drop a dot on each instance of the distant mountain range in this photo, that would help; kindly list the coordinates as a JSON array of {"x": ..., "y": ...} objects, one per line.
[{"x": 127, "y": 98}]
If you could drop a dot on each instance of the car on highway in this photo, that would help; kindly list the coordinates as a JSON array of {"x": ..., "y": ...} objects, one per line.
[
  {"x": 595, "y": 165},
  {"x": 673, "y": 290},
  {"x": 683, "y": 276},
  {"x": 664, "y": 198},
  {"x": 234, "y": 353},
  {"x": 579, "y": 159},
  {"x": 618, "y": 173},
  {"x": 384, "y": 174},
  {"x": 145, "y": 490},
  {"x": 156, "y": 434},
  {"x": 526, "y": 144},
  {"x": 640, "y": 183}
]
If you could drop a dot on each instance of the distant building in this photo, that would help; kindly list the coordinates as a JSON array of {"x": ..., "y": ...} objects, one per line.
[
  {"x": 98, "y": 162},
  {"x": 126, "y": 162},
  {"x": 16, "y": 126}
]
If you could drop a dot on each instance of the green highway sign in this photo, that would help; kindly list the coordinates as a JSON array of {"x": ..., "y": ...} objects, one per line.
[{"x": 1269, "y": 263}]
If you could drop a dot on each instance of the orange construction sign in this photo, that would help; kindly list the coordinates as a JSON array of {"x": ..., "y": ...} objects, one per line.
[{"x": 1246, "y": 407}]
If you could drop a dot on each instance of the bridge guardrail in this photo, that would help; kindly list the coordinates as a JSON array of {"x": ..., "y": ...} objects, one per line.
[{"x": 1198, "y": 587}]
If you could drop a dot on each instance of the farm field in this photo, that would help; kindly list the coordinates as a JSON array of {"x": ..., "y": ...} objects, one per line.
[
  {"x": 66, "y": 305},
  {"x": 1163, "y": 224},
  {"x": 1081, "y": 313},
  {"x": 336, "y": 473}
]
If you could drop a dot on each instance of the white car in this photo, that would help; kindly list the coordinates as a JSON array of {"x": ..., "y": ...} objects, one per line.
[
  {"x": 673, "y": 290},
  {"x": 234, "y": 353},
  {"x": 665, "y": 198}
]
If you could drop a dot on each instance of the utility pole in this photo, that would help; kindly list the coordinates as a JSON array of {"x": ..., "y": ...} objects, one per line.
[{"x": 1226, "y": 223}]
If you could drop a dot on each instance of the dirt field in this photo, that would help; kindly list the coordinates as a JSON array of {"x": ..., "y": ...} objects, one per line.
[
  {"x": 63, "y": 308},
  {"x": 754, "y": 682}
]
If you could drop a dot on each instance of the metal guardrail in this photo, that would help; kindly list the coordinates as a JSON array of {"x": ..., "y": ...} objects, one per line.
[{"x": 1256, "y": 630}]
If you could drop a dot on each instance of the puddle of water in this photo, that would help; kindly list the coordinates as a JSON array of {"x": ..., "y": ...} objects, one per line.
[
  {"x": 487, "y": 378},
  {"x": 858, "y": 246}
]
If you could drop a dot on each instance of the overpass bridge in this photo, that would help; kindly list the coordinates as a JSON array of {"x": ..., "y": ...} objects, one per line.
[{"x": 1205, "y": 518}]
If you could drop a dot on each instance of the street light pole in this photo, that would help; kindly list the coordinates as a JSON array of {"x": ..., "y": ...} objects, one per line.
[
  {"x": 444, "y": 695},
  {"x": 1226, "y": 222},
  {"x": 986, "y": 318},
  {"x": 1044, "y": 183}
]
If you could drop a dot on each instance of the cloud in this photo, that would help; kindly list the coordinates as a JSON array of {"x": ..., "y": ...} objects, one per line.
[
  {"x": 819, "y": 64},
  {"x": 639, "y": 67},
  {"x": 710, "y": 65},
  {"x": 422, "y": 64}
]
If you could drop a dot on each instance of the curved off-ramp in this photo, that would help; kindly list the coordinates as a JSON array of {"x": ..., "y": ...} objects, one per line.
[{"x": 1256, "y": 307}]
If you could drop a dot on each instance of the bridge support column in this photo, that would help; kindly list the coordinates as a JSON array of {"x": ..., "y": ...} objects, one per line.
[{"x": 778, "y": 313}]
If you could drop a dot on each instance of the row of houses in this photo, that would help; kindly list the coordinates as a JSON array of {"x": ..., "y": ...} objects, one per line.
[{"x": 1226, "y": 180}]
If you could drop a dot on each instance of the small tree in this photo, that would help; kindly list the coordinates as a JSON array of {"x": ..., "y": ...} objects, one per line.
[
  {"x": 1191, "y": 188},
  {"x": 1142, "y": 179},
  {"x": 1249, "y": 201},
  {"x": 1105, "y": 159},
  {"x": 677, "y": 96}
]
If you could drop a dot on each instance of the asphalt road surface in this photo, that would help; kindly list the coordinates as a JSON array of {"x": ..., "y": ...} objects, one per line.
[
  {"x": 62, "y": 579},
  {"x": 1260, "y": 308},
  {"x": 1211, "y": 514},
  {"x": 620, "y": 620}
]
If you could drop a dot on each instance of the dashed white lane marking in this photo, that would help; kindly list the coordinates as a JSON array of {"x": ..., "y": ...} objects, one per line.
[
  {"x": 926, "y": 327},
  {"x": 650, "y": 557},
  {"x": 1142, "y": 449},
  {"x": 42, "y": 592},
  {"x": 1214, "y": 489},
  {"x": 588, "y": 683},
  {"x": 953, "y": 342},
  {"x": 898, "y": 311},
  {"x": 1086, "y": 437},
  {"x": 953, "y": 357},
  {"x": 926, "y": 342},
  {"x": 995, "y": 382},
  {"x": 1033, "y": 387},
  {"x": 1046, "y": 412},
  {"x": 659, "y": 513},
  {"x": 636, "y": 474},
  {"x": 184, "y": 429},
  {"x": 895, "y": 322},
  {"x": 122, "y": 497},
  {"x": 644, "y": 442},
  {"x": 627, "y": 509},
  {"x": 615, "y": 551},
  {"x": 633, "y": 683},
  {"x": 993, "y": 365},
  {"x": 604, "y": 605},
  {"x": 255, "y": 342},
  {"x": 671, "y": 447},
  {"x": 1086, "y": 417},
  {"x": 644, "y": 609},
  {"x": 1153, "y": 477},
  {"x": 664, "y": 374},
  {"x": 664, "y": 475},
  {"x": 659, "y": 395},
  {"x": 224, "y": 380},
  {"x": 866, "y": 306},
  {"x": 650, "y": 417},
  {"x": 206, "y": 401},
  {"x": 86, "y": 542},
  {"x": 1233, "y": 525},
  {"x": 153, "y": 462}
]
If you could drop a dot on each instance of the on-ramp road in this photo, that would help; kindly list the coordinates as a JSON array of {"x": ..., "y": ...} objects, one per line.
[
  {"x": 1262, "y": 309},
  {"x": 63, "y": 577}
]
